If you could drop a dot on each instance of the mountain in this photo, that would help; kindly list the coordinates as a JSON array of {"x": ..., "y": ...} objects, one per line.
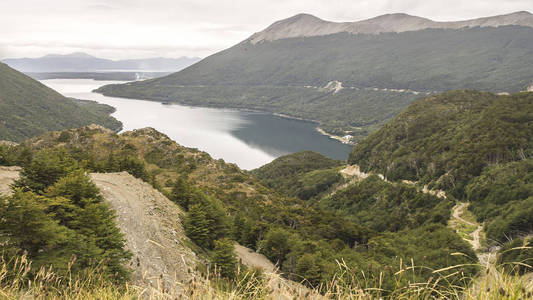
[
  {"x": 29, "y": 108},
  {"x": 82, "y": 62},
  {"x": 305, "y": 25},
  {"x": 352, "y": 83},
  {"x": 475, "y": 146}
]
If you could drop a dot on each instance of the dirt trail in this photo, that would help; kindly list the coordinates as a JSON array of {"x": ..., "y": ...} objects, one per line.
[
  {"x": 251, "y": 258},
  {"x": 282, "y": 288},
  {"x": 153, "y": 231},
  {"x": 457, "y": 212},
  {"x": 7, "y": 176}
]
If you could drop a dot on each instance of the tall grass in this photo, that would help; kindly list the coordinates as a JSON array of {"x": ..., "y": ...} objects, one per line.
[{"x": 492, "y": 283}]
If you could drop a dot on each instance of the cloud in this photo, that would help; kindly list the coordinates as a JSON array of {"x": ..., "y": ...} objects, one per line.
[{"x": 136, "y": 28}]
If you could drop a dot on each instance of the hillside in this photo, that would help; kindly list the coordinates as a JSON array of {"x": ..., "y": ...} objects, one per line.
[
  {"x": 302, "y": 174},
  {"x": 29, "y": 108},
  {"x": 82, "y": 62},
  {"x": 359, "y": 83},
  {"x": 476, "y": 146},
  {"x": 223, "y": 202}
]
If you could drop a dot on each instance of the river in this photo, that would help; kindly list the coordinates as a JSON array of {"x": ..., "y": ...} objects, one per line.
[{"x": 248, "y": 139}]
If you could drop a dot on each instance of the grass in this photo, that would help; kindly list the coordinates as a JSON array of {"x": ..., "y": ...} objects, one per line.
[{"x": 493, "y": 283}]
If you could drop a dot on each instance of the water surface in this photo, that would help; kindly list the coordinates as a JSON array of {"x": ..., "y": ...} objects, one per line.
[{"x": 248, "y": 139}]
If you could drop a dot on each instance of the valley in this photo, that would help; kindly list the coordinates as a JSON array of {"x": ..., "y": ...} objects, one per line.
[{"x": 385, "y": 158}]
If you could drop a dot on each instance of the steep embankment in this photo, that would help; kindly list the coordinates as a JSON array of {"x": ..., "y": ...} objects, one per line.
[
  {"x": 153, "y": 230},
  {"x": 29, "y": 108}
]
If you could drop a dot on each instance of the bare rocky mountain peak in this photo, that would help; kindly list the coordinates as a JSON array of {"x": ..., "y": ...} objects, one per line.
[{"x": 306, "y": 25}]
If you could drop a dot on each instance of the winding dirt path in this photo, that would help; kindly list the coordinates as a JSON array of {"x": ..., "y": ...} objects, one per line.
[{"x": 457, "y": 211}]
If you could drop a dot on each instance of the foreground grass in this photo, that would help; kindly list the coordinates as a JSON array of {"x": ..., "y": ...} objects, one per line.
[{"x": 493, "y": 283}]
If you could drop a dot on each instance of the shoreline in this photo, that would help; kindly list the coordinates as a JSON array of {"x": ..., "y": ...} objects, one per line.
[
  {"x": 318, "y": 129},
  {"x": 334, "y": 137}
]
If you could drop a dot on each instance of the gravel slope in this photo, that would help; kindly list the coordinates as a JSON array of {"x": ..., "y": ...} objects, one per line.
[{"x": 153, "y": 231}]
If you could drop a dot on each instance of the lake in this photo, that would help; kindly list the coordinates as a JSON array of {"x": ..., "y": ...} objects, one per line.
[{"x": 248, "y": 139}]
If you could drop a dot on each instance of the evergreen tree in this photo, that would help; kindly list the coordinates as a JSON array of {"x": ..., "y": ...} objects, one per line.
[
  {"x": 182, "y": 193},
  {"x": 45, "y": 168},
  {"x": 223, "y": 257},
  {"x": 197, "y": 226},
  {"x": 309, "y": 268}
]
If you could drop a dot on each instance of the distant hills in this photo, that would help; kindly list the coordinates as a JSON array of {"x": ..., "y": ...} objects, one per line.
[
  {"x": 29, "y": 108},
  {"x": 82, "y": 62},
  {"x": 352, "y": 77}
]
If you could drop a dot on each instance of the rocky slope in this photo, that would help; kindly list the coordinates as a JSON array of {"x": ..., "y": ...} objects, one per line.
[
  {"x": 305, "y": 25},
  {"x": 7, "y": 176},
  {"x": 153, "y": 230}
]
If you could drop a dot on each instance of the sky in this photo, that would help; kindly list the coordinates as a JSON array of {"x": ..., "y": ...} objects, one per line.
[{"x": 120, "y": 29}]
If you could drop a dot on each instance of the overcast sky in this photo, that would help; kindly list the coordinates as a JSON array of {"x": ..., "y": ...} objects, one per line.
[{"x": 120, "y": 29}]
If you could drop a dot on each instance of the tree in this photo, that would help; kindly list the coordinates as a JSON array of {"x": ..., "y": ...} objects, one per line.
[
  {"x": 45, "y": 168},
  {"x": 276, "y": 245},
  {"x": 308, "y": 267},
  {"x": 197, "y": 226},
  {"x": 182, "y": 193},
  {"x": 26, "y": 227},
  {"x": 223, "y": 257}
]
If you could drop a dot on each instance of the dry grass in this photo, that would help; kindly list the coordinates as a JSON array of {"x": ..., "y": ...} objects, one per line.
[{"x": 491, "y": 284}]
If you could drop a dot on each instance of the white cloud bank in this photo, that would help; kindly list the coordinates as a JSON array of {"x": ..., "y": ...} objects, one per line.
[{"x": 147, "y": 28}]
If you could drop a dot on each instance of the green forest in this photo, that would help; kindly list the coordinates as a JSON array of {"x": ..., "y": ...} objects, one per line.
[
  {"x": 475, "y": 146},
  {"x": 29, "y": 108}
]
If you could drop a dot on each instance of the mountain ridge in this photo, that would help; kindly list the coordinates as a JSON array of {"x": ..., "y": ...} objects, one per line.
[
  {"x": 307, "y": 25},
  {"x": 83, "y": 62}
]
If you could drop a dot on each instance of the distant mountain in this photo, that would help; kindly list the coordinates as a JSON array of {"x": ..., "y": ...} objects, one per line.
[
  {"x": 305, "y": 25},
  {"x": 352, "y": 83},
  {"x": 29, "y": 108},
  {"x": 82, "y": 62}
]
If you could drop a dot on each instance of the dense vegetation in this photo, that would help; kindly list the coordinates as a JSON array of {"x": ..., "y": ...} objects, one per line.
[
  {"x": 502, "y": 197},
  {"x": 385, "y": 206},
  {"x": 448, "y": 139},
  {"x": 28, "y": 108},
  {"x": 57, "y": 218},
  {"x": 273, "y": 76},
  {"x": 223, "y": 202},
  {"x": 302, "y": 174},
  {"x": 475, "y": 146}
]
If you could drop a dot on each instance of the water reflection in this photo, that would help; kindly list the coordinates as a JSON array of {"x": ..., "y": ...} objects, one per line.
[{"x": 246, "y": 138}]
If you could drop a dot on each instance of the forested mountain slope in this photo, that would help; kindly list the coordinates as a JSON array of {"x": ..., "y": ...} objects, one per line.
[
  {"x": 29, "y": 108},
  {"x": 476, "y": 146},
  {"x": 348, "y": 82}
]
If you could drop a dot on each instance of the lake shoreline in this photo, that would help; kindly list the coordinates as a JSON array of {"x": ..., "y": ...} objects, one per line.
[{"x": 167, "y": 102}]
